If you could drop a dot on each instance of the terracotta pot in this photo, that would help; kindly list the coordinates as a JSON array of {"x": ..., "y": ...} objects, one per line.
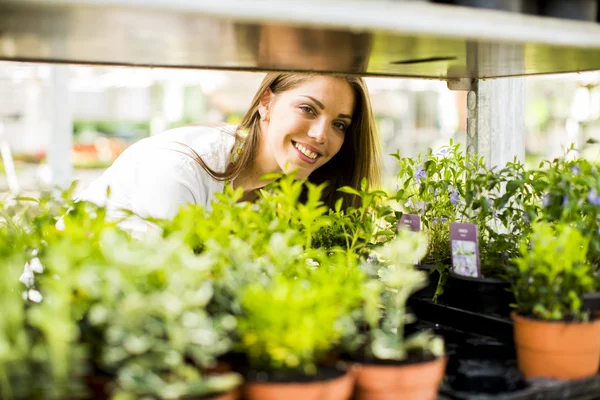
[
  {"x": 339, "y": 388},
  {"x": 555, "y": 349},
  {"x": 418, "y": 381}
]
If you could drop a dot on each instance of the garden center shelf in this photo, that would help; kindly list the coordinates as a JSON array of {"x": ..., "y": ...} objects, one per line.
[{"x": 369, "y": 38}]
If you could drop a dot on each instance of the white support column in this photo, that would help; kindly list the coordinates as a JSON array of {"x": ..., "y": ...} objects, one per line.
[
  {"x": 499, "y": 108},
  {"x": 61, "y": 125},
  {"x": 495, "y": 107}
]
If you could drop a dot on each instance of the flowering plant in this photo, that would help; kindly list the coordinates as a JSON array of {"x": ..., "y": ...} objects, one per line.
[
  {"x": 570, "y": 193},
  {"x": 501, "y": 202},
  {"x": 433, "y": 186},
  {"x": 552, "y": 273}
]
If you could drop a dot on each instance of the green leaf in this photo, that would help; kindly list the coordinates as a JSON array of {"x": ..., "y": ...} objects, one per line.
[
  {"x": 25, "y": 198},
  {"x": 400, "y": 194},
  {"x": 349, "y": 190}
]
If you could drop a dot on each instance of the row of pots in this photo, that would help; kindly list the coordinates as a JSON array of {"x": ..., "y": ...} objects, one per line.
[{"x": 414, "y": 381}]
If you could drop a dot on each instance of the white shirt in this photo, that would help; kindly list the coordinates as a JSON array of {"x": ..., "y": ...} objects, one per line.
[{"x": 157, "y": 175}]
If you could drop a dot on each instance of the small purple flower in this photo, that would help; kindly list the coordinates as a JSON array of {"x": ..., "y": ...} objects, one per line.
[
  {"x": 436, "y": 220},
  {"x": 409, "y": 204},
  {"x": 421, "y": 207},
  {"x": 493, "y": 168},
  {"x": 546, "y": 200},
  {"x": 443, "y": 152},
  {"x": 576, "y": 170},
  {"x": 454, "y": 197},
  {"x": 593, "y": 197},
  {"x": 420, "y": 174}
]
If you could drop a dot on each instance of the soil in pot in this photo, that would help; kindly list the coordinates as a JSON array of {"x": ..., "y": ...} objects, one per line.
[
  {"x": 413, "y": 379},
  {"x": 328, "y": 383},
  {"x": 484, "y": 295},
  {"x": 556, "y": 349}
]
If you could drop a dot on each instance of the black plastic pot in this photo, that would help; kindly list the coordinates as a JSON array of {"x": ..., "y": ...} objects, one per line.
[
  {"x": 583, "y": 10},
  {"x": 433, "y": 276},
  {"x": 483, "y": 376},
  {"x": 592, "y": 301},
  {"x": 482, "y": 295}
]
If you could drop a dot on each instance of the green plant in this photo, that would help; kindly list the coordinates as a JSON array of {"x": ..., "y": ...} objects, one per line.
[
  {"x": 501, "y": 202},
  {"x": 394, "y": 279},
  {"x": 569, "y": 191},
  {"x": 133, "y": 310},
  {"x": 27, "y": 349},
  {"x": 293, "y": 319},
  {"x": 358, "y": 229},
  {"x": 434, "y": 186},
  {"x": 14, "y": 340},
  {"x": 287, "y": 292},
  {"x": 552, "y": 273}
]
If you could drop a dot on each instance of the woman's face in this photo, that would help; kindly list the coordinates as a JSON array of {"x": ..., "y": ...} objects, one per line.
[{"x": 305, "y": 126}]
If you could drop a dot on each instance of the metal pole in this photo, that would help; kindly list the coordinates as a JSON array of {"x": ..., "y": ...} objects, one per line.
[
  {"x": 500, "y": 120},
  {"x": 495, "y": 107},
  {"x": 61, "y": 135}
]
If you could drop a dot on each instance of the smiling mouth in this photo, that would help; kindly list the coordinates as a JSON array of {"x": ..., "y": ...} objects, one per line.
[{"x": 306, "y": 152}]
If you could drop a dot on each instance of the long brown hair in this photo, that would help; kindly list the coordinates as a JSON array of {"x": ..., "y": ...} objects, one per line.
[{"x": 358, "y": 158}]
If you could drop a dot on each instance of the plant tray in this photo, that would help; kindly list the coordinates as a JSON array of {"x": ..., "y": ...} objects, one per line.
[
  {"x": 492, "y": 325},
  {"x": 541, "y": 389},
  {"x": 482, "y": 360}
]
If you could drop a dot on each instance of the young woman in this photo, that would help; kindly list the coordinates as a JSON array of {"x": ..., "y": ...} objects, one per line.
[{"x": 321, "y": 126}]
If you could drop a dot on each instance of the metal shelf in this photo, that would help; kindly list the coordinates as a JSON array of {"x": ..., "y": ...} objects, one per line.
[{"x": 409, "y": 39}]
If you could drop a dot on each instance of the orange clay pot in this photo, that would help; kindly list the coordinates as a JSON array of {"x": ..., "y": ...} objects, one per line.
[
  {"x": 418, "y": 381},
  {"x": 555, "y": 349},
  {"x": 339, "y": 388},
  {"x": 597, "y": 314}
]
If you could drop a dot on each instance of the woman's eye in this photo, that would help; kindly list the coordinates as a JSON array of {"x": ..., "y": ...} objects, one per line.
[
  {"x": 307, "y": 109},
  {"x": 341, "y": 126}
]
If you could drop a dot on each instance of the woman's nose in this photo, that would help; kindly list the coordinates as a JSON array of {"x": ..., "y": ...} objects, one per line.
[{"x": 318, "y": 131}]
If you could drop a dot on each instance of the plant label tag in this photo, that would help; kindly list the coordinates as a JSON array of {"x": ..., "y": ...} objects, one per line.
[
  {"x": 465, "y": 249},
  {"x": 411, "y": 221}
]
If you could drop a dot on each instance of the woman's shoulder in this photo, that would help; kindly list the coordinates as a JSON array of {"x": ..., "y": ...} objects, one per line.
[
  {"x": 211, "y": 142},
  {"x": 201, "y": 138}
]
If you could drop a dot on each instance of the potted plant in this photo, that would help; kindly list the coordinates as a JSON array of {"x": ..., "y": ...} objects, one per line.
[
  {"x": 389, "y": 363},
  {"x": 136, "y": 308},
  {"x": 433, "y": 186},
  {"x": 556, "y": 337},
  {"x": 500, "y": 202},
  {"x": 291, "y": 320},
  {"x": 570, "y": 193}
]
